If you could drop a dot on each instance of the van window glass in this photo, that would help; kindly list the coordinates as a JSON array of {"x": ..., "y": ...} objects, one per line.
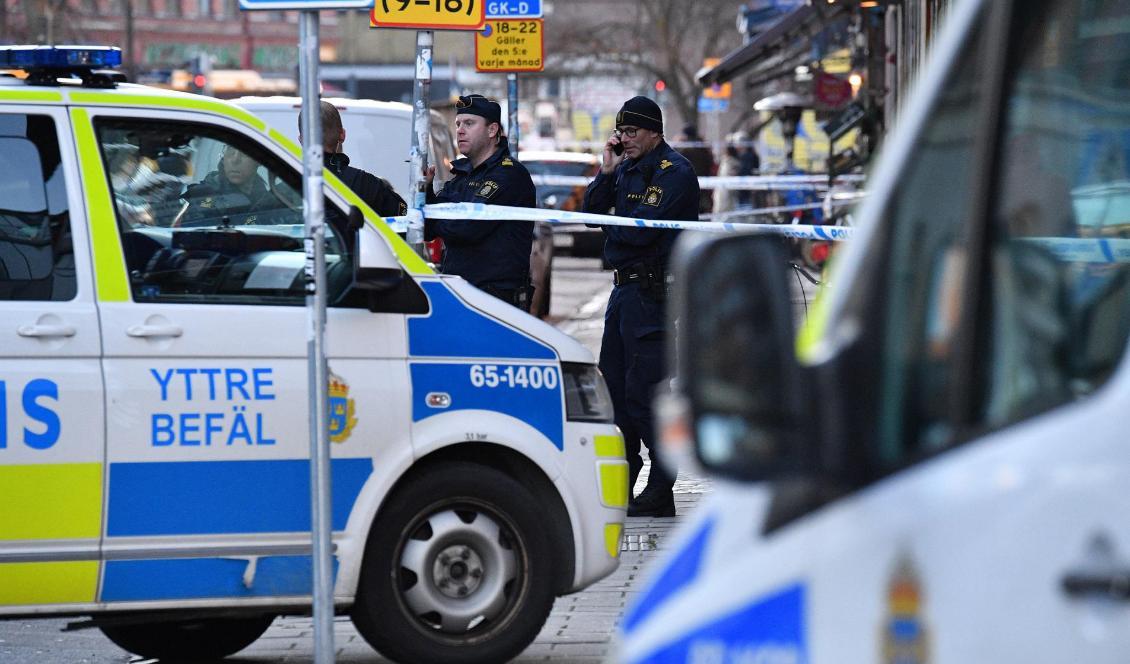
[
  {"x": 1060, "y": 261},
  {"x": 209, "y": 216},
  {"x": 924, "y": 259},
  {"x": 36, "y": 256}
]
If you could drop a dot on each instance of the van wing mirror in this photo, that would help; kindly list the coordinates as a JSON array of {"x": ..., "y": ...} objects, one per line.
[
  {"x": 735, "y": 357},
  {"x": 375, "y": 268}
]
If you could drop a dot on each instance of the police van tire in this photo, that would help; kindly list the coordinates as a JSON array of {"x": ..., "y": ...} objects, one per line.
[
  {"x": 200, "y": 640},
  {"x": 485, "y": 586}
]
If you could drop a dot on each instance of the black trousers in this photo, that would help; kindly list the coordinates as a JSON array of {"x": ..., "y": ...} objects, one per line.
[{"x": 632, "y": 361}]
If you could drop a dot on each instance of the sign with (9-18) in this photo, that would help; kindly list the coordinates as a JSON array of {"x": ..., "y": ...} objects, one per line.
[{"x": 428, "y": 14}]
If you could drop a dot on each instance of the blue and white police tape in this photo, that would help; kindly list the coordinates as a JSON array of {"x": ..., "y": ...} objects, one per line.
[
  {"x": 1084, "y": 250},
  {"x": 1066, "y": 249},
  {"x": 480, "y": 211},
  {"x": 737, "y": 182}
]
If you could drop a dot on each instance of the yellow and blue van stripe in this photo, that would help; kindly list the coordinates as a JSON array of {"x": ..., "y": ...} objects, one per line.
[
  {"x": 43, "y": 503},
  {"x": 528, "y": 391},
  {"x": 221, "y": 497},
  {"x": 197, "y": 578},
  {"x": 247, "y": 497}
]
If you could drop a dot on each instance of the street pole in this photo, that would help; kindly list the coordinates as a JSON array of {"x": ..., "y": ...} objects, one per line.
[
  {"x": 315, "y": 235},
  {"x": 421, "y": 135},
  {"x": 131, "y": 61},
  {"x": 512, "y": 90}
]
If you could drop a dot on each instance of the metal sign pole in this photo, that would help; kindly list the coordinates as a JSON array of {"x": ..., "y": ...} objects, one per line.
[
  {"x": 512, "y": 90},
  {"x": 421, "y": 134},
  {"x": 315, "y": 235}
]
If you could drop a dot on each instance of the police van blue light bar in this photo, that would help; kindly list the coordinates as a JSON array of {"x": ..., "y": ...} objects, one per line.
[{"x": 60, "y": 57}]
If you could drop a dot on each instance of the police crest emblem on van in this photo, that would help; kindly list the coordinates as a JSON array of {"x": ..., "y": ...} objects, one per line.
[
  {"x": 342, "y": 410},
  {"x": 904, "y": 635}
]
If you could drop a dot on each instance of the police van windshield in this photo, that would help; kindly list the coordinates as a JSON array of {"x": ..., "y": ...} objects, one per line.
[{"x": 207, "y": 215}]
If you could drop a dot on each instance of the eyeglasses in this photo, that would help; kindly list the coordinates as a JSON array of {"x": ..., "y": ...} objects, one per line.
[{"x": 630, "y": 132}]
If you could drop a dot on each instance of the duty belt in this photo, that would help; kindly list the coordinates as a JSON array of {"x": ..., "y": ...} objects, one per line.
[
  {"x": 640, "y": 272},
  {"x": 518, "y": 297}
]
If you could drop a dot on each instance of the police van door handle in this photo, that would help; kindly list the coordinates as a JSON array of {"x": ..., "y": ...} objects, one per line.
[
  {"x": 1113, "y": 584},
  {"x": 154, "y": 331},
  {"x": 46, "y": 330}
]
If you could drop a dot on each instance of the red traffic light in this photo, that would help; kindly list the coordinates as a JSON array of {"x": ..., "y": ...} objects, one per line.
[
  {"x": 660, "y": 85},
  {"x": 199, "y": 80}
]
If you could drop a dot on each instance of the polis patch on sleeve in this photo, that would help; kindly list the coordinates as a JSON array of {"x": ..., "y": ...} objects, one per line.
[
  {"x": 653, "y": 196},
  {"x": 488, "y": 189}
]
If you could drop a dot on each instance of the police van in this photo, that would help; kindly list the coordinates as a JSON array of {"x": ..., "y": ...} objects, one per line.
[
  {"x": 939, "y": 472},
  {"x": 154, "y": 454}
]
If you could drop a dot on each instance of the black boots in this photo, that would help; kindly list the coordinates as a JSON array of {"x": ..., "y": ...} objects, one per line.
[{"x": 653, "y": 501}]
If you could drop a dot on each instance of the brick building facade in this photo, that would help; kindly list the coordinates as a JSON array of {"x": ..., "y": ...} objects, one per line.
[{"x": 167, "y": 33}]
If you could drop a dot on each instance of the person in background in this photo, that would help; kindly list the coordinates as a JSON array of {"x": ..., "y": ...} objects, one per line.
[
  {"x": 749, "y": 163},
  {"x": 726, "y": 198},
  {"x": 702, "y": 159}
]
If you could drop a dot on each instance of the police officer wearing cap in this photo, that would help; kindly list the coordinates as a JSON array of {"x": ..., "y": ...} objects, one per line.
[
  {"x": 493, "y": 255},
  {"x": 642, "y": 177}
]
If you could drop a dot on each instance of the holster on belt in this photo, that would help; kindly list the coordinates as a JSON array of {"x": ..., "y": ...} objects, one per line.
[
  {"x": 652, "y": 278},
  {"x": 519, "y": 297}
]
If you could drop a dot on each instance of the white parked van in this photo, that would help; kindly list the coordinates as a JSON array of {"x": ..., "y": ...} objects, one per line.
[
  {"x": 154, "y": 453},
  {"x": 378, "y": 135},
  {"x": 942, "y": 475}
]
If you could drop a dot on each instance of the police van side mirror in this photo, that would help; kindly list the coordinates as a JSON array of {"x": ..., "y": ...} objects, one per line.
[
  {"x": 378, "y": 276},
  {"x": 375, "y": 268},
  {"x": 734, "y": 357}
]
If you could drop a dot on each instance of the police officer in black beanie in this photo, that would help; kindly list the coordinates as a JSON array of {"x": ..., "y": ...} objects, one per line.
[
  {"x": 641, "y": 177},
  {"x": 493, "y": 255}
]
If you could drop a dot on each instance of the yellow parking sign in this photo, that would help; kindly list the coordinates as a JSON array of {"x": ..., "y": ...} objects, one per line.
[
  {"x": 510, "y": 46},
  {"x": 428, "y": 14},
  {"x": 718, "y": 90}
]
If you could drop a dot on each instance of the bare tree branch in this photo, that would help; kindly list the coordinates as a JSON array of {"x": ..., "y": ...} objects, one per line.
[{"x": 659, "y": 39}]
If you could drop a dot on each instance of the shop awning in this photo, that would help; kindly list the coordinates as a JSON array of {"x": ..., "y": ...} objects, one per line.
[{"x": 776, "y": 45}]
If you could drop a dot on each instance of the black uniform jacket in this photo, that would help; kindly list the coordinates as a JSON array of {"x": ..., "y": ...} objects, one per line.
[
  {"x": 375, "y": 191},
  {"x": 215, "y": 197},
  {"x": 494, "y": 253},
  {"x": 659, "y": 185}
]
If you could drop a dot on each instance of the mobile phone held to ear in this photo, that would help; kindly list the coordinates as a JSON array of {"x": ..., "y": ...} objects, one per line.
[{"x": 618, "y": 149}]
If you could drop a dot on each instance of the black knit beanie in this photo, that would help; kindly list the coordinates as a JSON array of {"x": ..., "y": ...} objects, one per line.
[{"x": 641, "y": 112}]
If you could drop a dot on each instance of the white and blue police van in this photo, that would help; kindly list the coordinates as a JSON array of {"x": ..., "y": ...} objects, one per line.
[
  {"x": 154, "y": 453},
  {"x": 936, "y": 468}
]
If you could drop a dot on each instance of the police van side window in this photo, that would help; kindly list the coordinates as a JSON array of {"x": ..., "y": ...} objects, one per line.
[
  {"x": 36, "y": 256},
  {"x": 1060, "y": 260},
  {"x": 208, "y": 216},
  {"x": 920, "y": 269}
]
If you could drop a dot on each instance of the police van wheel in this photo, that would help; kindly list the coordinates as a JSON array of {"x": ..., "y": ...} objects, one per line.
[
  {"x": 456, "y": 570},
  {"x": 189, "y": 640}
]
